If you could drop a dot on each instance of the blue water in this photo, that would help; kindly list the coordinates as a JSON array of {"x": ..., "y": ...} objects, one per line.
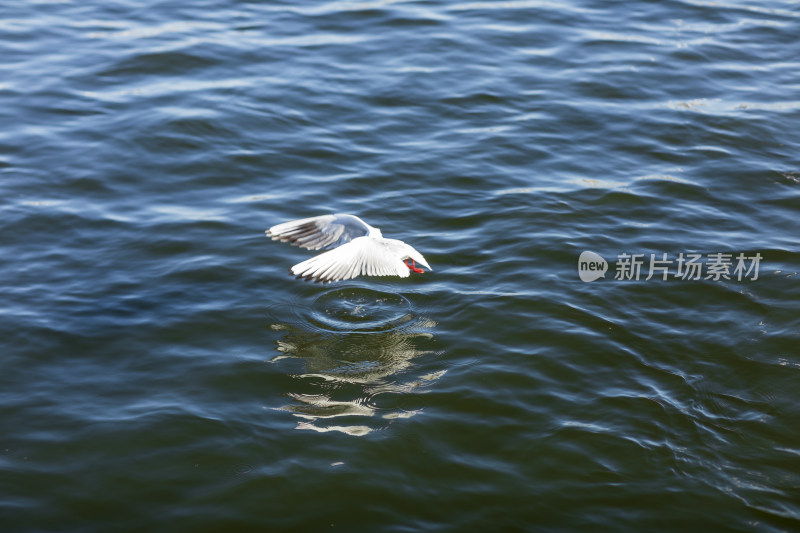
[{"x": 161, "y": 371}]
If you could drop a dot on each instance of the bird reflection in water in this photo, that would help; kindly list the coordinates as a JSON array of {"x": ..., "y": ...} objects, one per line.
[{"x": 354, "y": 381}]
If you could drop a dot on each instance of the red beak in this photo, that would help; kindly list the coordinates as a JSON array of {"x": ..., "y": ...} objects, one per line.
[{"x": 413, "y": 267}]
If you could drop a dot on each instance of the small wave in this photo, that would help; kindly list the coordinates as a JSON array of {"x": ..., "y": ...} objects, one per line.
[{"x": 357, "y": 348}]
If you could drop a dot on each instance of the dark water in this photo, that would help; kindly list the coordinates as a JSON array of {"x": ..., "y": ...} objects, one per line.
[{"x": 161, "y": 372}]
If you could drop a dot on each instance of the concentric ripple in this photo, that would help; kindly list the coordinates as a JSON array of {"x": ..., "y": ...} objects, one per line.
[
  {"x": 360, "y": 309},
  {"x": 358, "y": 351}
]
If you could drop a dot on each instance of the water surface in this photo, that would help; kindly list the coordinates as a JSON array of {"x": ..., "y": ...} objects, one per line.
[{"x": 162, "y": 372}]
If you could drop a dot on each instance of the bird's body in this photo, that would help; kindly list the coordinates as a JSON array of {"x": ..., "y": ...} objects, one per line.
[{"x": 355, "y": 248}]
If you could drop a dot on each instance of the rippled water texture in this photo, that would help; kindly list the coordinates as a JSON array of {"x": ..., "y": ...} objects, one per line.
[
  {"x": 355, "y": 348},
  {"x": 161, "y": 371}
]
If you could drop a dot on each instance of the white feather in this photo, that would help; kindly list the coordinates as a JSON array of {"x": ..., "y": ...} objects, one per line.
[{"x": 358, "y": 249}]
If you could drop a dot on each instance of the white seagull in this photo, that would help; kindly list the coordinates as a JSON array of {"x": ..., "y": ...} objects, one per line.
[{"x": 358, "y": 249}]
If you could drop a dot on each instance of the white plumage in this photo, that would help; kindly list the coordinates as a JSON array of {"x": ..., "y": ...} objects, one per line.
[{"x": 358, "y": 249}]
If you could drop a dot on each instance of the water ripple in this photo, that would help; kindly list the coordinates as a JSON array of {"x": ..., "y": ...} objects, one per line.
[
  {"x": 157, "y": 361},
  {"x": 358, "y": 348}
]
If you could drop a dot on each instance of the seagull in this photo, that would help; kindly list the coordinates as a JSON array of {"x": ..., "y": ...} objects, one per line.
[{"x": 355, "y": 248}]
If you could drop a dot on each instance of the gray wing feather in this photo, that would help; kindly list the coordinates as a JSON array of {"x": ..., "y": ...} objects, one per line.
[{"x": 317, "y": 233}]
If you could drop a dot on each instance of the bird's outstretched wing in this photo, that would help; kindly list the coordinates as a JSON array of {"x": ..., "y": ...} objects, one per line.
[
  {"x": 361, "y": 256},
  {"x": 316, "y": 233}
]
